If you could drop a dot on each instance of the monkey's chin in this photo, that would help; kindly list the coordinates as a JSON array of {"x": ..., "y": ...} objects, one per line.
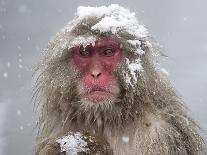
[{"x": 98, "y": 96}]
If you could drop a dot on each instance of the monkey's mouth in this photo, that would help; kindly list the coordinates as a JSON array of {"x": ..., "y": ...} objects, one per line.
[{"x": 98, "y": 95}]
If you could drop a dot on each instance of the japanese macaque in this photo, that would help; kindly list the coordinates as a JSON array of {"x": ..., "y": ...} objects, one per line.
[{"x": 102, "y": 92}]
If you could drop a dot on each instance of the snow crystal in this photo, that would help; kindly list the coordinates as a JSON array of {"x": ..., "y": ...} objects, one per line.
[
  {"x": 164, "y": 71},
  {"x": 185, "y": 18},
  {"x": 20, "y": 66},
  {"x": 136, "y": 44},
  {"x": 115, "y": 18},
  {"x": 84, "y": 12},
  {"x": 72, "y": 144},
  {"x": 19, "y": 48},
  {"x": 28, "y": 38},
  {"x": 133, "y": 68},
  {"x": 128, "y": 79},
  {"x": 83, "y": 40},
  {"x": 125, "y": 139},
  {"x": 21, "y": 127},
  {"x": 8, "y": 64},
  {"x": 19, "y": 112},
  {"x": 5, "y": 75}
]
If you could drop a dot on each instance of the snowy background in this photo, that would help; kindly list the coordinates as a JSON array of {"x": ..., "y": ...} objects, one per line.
[{"x": 26, "y": 26}]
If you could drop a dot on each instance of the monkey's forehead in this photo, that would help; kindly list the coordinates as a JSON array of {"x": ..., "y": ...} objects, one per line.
[
  {"x": 112, "y": 18},
  {"x": 92, "y": 40},
  {"x": 83, "y": 40}
]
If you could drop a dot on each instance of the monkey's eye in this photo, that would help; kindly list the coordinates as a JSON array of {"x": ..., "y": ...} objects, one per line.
[
  {"x": 85, "y": 52},
  {"x": 108, "y": 52}
]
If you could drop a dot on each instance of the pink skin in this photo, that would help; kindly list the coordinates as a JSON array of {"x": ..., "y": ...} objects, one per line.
[{"x": 97, "y": 69}]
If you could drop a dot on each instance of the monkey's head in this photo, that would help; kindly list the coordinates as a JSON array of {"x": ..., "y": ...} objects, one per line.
[{"x": 98, "y": 69}]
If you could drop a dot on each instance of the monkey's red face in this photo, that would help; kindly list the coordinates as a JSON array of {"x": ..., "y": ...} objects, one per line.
[{"x": 97, "y": 64}]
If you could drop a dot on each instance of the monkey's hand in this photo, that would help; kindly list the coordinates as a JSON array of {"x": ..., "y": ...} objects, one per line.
[
  {"x": 83, "y": 144},
  {"x": 51, "y": 147}
]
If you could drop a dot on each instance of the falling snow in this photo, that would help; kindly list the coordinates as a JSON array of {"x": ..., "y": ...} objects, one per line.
[
  {"x": 125, "y": 139},
  {"x": 20, "y": 66},
  {"x": 19, "y": 48},
  {"x": 21, "y": 127},
  {"x": 19, "y": 112},
  {"x": 5, "y": 75},
  {"x": 8, "y": 64},
  {"x": 164, "y": 71}
]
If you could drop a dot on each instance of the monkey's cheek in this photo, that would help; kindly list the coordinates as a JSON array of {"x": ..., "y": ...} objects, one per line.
[{"x": 99, "y": 97}]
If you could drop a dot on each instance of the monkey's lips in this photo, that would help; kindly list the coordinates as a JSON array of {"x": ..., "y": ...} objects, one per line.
[{"x": 99, "y": 95}]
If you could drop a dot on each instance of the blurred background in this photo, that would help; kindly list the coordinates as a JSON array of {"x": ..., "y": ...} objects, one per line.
[{"x": 27, "y": 25}]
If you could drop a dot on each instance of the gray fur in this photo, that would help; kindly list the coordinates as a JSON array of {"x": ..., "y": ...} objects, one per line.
[{"x": 150, "y": 114}]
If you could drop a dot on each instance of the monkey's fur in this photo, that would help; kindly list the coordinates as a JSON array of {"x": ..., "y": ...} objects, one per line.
[{"x": 148, "y": 113}]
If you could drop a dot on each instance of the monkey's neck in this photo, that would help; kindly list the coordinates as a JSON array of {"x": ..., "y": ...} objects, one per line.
[{"x": 99, "y": 122}]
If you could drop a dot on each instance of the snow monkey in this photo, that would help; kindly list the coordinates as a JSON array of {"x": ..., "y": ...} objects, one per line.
[{"x": 103, "y": 92}]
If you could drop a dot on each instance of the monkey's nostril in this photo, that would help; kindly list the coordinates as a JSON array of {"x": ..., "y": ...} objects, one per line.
[{"x": 96, "y": 75}]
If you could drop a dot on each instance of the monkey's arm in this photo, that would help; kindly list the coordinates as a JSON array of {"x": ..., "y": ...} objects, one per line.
[
  {"x": 76, "y": 143},
  {"x": 168, "y": 136}
]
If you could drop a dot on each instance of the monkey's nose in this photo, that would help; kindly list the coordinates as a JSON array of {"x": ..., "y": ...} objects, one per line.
[{"x": 95, "y": 73}]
